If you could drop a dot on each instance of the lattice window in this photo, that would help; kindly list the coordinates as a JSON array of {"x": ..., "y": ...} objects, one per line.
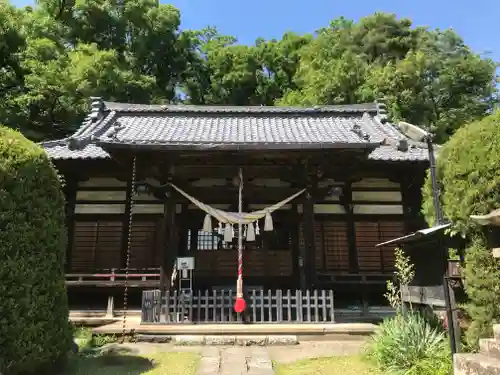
[
  {"x": 204, "y": 241},
  {"x": 332, "y": 246},
  {"x": 280, "y": 238},
  {"x": 96, "y": 244},
  {"x": 145, "y": 244},
  {"x": 369, "y": 234}
]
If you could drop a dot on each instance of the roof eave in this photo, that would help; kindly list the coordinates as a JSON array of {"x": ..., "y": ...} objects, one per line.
[{"x": 236, "y": 146}]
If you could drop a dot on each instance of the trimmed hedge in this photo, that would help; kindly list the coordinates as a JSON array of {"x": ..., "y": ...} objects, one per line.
[
  {"x": 35, "y": 335},
  {"x": 468, "y": 170}
]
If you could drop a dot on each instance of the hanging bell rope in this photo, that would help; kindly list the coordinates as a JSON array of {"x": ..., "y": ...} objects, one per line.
[
  {"x": 129, "y": 246},
  {"x": 240, "y": 304}
]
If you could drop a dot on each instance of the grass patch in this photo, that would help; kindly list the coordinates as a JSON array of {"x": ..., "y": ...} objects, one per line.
[
  {"x": 117, "y": 364},
  {"x": 345, "y": 365}
]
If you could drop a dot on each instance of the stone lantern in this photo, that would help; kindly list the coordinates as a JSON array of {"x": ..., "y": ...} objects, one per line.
[{"x": 491, "y": 224}]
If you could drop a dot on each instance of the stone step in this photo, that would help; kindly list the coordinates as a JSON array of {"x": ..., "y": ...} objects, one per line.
[
  {"x": 496, "y": 330},
  {"x": 227, "y": 340},
  {"x": 235, "y": 361},
  {"x": 475, "y": 364},
  {"x": 490, "y": 347}
]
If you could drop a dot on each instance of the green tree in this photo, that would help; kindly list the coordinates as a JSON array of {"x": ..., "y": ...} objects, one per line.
[
  {"x": 441, "y": 84},
  {"x": 428, "y": 77},
  {"x": 12, "y": 41},
  {"x": 467, "y": 170},
  {"x": 223, "y": 72},
  {"x": 60, "y": 52},
  {"x": 144, "y": 34},
  {"x": 35, "y": 334},
  {"x": 52, "y": 90}
]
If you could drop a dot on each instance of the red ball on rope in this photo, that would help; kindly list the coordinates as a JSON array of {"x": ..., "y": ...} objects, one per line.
[{"x": 240, "y": 305}]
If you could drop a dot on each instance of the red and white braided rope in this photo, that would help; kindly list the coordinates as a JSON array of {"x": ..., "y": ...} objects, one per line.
[{"x": 239, "y": 283}]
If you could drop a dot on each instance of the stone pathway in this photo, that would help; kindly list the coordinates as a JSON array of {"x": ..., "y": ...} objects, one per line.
[
  {"x": 314, "y": 349},
  {"x": 235, "y": 361},
  {"x": 247, "y": 360}
]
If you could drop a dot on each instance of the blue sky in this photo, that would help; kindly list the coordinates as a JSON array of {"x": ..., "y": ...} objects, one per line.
[{"x": 477, "y": 21}]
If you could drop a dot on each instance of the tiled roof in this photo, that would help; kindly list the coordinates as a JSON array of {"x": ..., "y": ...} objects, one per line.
[
  {"x": 235, "y": 128},
  {"x": 59, "y": 150},
  {"x": 179, "y": 108},
  {"x": 391, "y": 153},
  {"x": 231, "y": 132}
]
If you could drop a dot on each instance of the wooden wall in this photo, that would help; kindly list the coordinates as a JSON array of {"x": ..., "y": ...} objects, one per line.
[
  {"x": 99, "y": 221},
  {"x": 377, "y": 216}
]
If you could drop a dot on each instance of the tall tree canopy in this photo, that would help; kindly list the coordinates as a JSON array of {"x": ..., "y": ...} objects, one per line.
[{"x": 56, "y": 55}]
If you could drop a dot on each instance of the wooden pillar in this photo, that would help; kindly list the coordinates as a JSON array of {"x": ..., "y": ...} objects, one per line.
[
  {"x": 351, "y": 228},
  {"x": 164, "y": 278},
  {"x": 126, "y": 219},
  {"x": 183, "y": 227},
  {"x": 410, "y": 186},
  {"x": 309, "y": 258},
  {"x": 301, "y": 260},
  {"x": 171, "y": 243},
  {"x": 310, "y": 243},
  {"x": 295, "y": 244},
  {"x": 70, "y": 191}
]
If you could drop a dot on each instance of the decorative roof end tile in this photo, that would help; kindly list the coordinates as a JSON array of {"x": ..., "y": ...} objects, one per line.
[
  {"x": 96, "y": 108},
  {"x": 403, "y": 145}
]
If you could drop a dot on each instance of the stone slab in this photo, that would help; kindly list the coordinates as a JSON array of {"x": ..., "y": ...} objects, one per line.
[
  {"x": 189, "y": 340},
  {"x": 161, "y": 339},
  {"x": 282, "y": 340},
  {"x": 496, "y": 331},
  {"x": 209, "y": 361},
  {"x": 234, "y": 361},
  {"x": 251, "y": 340},
  {"x": 490, "y": 347},
  {"x": 260, "y": 363},
  {"x": 475, "y": 364},
  {"x": 220, "y": 340}
]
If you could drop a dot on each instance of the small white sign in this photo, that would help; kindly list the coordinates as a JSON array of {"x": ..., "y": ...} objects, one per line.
[{"x": 185, "y": 263}]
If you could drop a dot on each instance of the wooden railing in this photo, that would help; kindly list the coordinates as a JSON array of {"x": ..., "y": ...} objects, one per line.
[
  {"x": 216, "y": 306},
  {"x": 145, "y": 278}
]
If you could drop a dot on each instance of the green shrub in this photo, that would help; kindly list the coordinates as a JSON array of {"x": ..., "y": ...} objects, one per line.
[
  {"x": 409, "y": 344},
  {"x": 35, "y": 334},
  {"x": 468, "y": 170},
  {"x": 469, "y": 174},
  {"x": 482, "y": 273}
]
